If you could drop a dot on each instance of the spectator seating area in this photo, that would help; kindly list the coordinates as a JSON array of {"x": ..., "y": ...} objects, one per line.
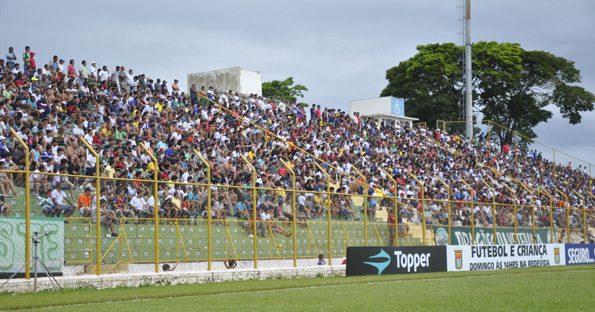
[{"x": 53, "y": 106}]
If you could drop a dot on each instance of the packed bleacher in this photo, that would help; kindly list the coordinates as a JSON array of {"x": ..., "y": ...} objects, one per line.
[{"x": 52, "y": 105}]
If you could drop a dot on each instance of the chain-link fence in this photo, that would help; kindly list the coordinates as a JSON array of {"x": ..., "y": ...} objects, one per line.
[{"x": 147, "y": 222}]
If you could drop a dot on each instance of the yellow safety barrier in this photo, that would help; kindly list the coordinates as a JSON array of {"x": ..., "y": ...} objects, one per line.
[
  {"x": 27, "y": 204},
  {"x": 193, "y": 240}
]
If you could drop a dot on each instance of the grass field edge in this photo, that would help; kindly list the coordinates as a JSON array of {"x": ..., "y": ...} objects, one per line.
[{"x": 82, "y": 296}]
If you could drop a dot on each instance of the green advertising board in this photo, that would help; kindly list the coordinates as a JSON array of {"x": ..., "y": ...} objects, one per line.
[
  {"x": 50, "y": 248},
  {"x": 461, "y": 235}
]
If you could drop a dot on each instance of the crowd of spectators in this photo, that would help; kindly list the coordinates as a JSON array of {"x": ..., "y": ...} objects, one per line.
[{"x": 51, "y": 106}]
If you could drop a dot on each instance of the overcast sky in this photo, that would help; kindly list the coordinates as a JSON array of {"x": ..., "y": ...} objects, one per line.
[{"x": 340, "y": 50}]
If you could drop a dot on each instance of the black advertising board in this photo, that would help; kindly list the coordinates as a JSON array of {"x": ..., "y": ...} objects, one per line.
[{"x": 395, "y": 260}]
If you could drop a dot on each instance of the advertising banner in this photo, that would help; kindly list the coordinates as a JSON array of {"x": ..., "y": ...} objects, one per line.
[
  {"x": 484, "y": 236},
  {"x": 395, "y": 260},
  {"x": 500, "y": 257},
  {"x": 580, "y": 254},
  {"x": 12, "y": 244}
]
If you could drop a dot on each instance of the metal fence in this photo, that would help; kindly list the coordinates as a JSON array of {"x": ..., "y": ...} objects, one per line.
[
  {"x": 95, "y": 223},
  {"x": 144, "y": 223}
]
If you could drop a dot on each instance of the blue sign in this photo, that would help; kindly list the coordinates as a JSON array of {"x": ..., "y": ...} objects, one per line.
[
  {"x": 380, "y": 266},
  {"x": 580, "y": 254},
  {"x": 397, "y": 106}
]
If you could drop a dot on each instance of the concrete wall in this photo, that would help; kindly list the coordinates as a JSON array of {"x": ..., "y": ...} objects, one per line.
[
  {"x": 250, "y": 82},
  {"x": 387, "y": 105},
  {"x": 223, "y": 80},
  {"x": 171, "y": 278},
  {"x": 368, "y": 107}
]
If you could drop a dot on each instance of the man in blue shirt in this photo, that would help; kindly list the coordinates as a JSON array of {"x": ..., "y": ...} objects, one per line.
[{"x": 11, "y": 58}]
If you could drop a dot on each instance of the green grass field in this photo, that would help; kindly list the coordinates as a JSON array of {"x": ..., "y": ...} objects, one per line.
[{"x": 570, "y": 288}]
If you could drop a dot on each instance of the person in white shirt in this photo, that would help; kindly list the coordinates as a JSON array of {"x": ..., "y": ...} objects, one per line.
[
  {"x": 151, "y": 206},
  {"x": 38, "y": 73},
  {"x": 77, "y": 131},
  {"x": 130, "y": 78},
  {"x": 61, "y": 66},
  {"x": 148, "y": 109},
  {"x": 103, "y": 74},
  {"x": 139, "y": 205},
  {"x": 281, "y": 107},
  {"x": 93, "y": 70},
  {"x": 62, "y": 204},
  {"x": 185, "y": 176},
  {"x": 303, "y": 210},
  {"x": 236, "y": 100},
  {"x": 16, "y": 69},
  {"x": 264, "y": 216},
  {"x": 90, "y": 164},
  {"x": 175, "y": 136},
  {"x": 223, "y": 100},
  {"x": 46, "y": 70},
  {"x": 267, "y": 216}
]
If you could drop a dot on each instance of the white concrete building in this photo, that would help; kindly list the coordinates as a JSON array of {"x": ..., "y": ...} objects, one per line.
[
  {"x": 386, "y": 108},
  {"x": 223, "y": 80}
]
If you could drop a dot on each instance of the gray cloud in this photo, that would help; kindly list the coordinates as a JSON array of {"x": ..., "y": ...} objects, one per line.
[{"x": 339, "y": 49}]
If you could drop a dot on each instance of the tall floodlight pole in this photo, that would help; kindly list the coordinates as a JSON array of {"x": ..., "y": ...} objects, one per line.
[{"x": 468, "y": 89}]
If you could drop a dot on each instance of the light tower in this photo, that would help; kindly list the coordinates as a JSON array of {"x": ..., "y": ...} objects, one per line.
[{"x": 468, "y": 88}]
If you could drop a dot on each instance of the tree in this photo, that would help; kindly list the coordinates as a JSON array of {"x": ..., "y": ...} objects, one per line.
[
  {"x": 283, "y": 90},
  {"x": 511, "y": 86}
]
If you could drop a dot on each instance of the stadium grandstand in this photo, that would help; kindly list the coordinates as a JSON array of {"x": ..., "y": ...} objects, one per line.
[{"x": 294, "y": 179}]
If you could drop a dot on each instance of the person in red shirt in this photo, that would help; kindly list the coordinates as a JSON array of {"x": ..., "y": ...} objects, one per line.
[
  {"x": 185, "y": 211},
  {"x": 32, "y": 63},
  {"x": 21, "y": 81},
  {"x": 392, "y": 220},
  {"x": 96, "y": 139},
  {"x": 505, "y": 148},
  {"x": 71, "y": 70}
]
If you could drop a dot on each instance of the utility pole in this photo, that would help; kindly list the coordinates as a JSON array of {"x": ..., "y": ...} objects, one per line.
[{"x": 468, "y": 88}]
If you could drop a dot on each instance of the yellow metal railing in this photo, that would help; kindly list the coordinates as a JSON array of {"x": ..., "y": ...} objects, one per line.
[
  {"x": 395, "y": 198},
  {"x": 365, "y": 190},
  {"x": 156, "y": 203},
  {"x": 27, "y": 204},
  {"x": 444, "y": 125},
  {"x": 327, "y": 202},
  {"x": 304, "y": 246},
  {"x": 493, "y": 208},
  {"x": 254, "y": 224},
  {"x": 472, "y": 193},
  {"x": 423, "y": 207},
  {"x": 97, "y": 206},
  {"x": 551, "y": 205},
  {"x": 209, "y": 212},
  {"x": 449, "y": 211}
]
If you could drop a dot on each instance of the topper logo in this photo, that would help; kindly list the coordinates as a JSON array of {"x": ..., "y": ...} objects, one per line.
[
  {"x": 380, "y": 266},
  {"x": 408, "y": 261}
]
